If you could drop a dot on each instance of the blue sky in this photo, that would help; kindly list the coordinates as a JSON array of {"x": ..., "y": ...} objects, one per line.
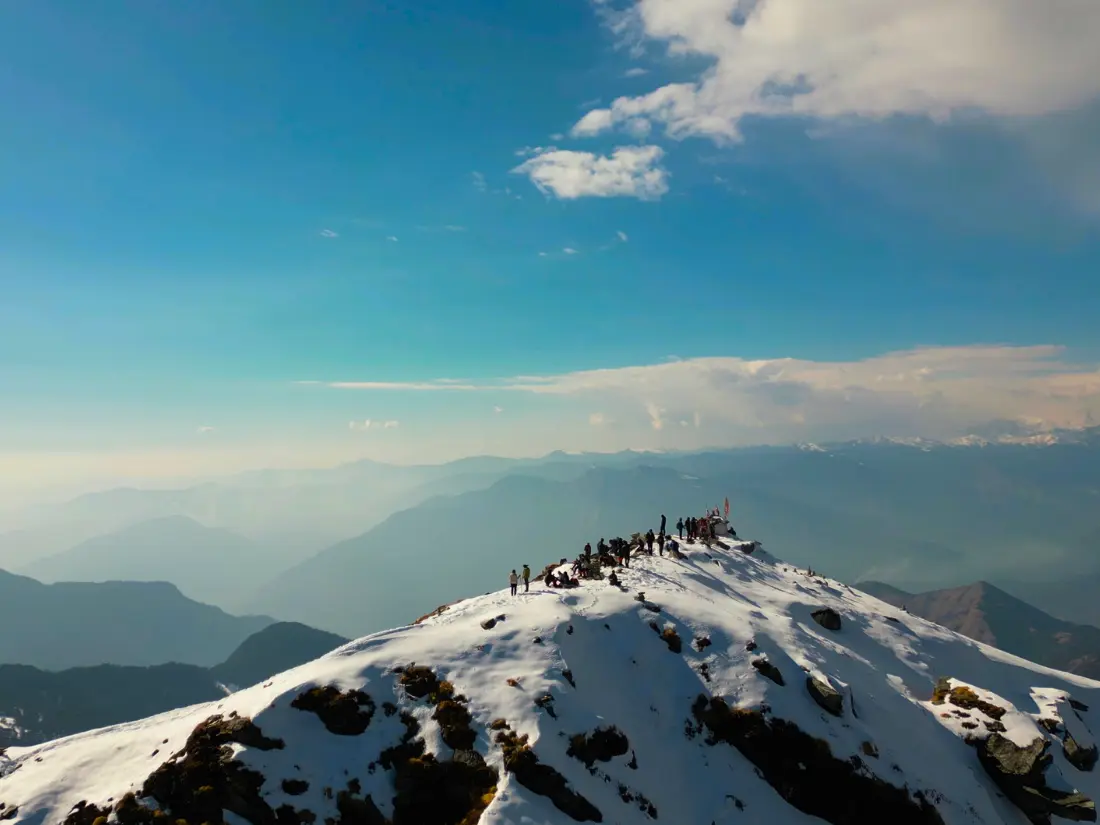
[{"x": 203, "y": 204}]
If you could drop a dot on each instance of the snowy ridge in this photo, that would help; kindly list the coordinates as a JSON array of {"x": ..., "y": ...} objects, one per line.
[{"x": 729, "y": 626}]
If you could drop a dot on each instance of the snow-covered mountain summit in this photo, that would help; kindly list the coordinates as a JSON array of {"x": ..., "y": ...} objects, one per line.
[{"x": 721, "y": 687}]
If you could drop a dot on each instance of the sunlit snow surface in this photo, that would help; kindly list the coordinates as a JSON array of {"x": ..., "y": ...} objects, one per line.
[{"x": 884, "y": 662}]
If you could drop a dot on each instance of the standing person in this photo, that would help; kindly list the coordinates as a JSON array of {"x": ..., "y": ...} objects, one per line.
[
  {"x": 680, "y": 527},
  {"x": 588, "y": 548},
  {"x": 526, "y": 578},
  {"x": 513, "y": 581},
  {"x": 661, "y": 542},
  {"x": 662, "y": 522},
  {"x": 649, "y": 539}
]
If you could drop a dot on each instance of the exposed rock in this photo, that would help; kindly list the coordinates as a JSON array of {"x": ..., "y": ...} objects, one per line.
[
  {"x": 602, "y": 745},
  {"x": 489, "y": 624},
  {"x": 869, "y": 749},
  {"x": 1019, "y": 773},
  {"x": 81, "y": 814},
  {"x": 669, "y": 636},
  {"x": 439, "y": 611},
  {"x": 454, "y": 724},
  {"x": 1078, "y": 706},
  {"x": 295, "y": 787},
  {"x": 204, "y": 779},
  {"x": 544, "y": 780},
  {"x": 827, "y": 618},
  {"x": 422, "y": 681},
  {"x": 825, "y": 695},
  {"x": 346, "y": 713},
  {"x": 766, "y": 668},
  {"x": 359, "y": 811},
  {"x": 702, "y": 642},
  {"x": 964, "y": 697},
  {"x": 804, "y": 772},
  {"x": 1084, "y": 759}
]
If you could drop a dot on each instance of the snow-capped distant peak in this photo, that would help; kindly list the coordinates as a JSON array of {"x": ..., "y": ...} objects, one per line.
[{"x": 720, "y": 686}]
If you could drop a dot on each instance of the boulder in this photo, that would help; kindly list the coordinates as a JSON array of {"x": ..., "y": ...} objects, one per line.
[
  {"x": 1020, "y": 774},
  {"x": 766, "y": 668},
  {"x": 825, "y": 695},
  {"x": 1084, "y": 759},
  {"x": 827, "y": 618}
]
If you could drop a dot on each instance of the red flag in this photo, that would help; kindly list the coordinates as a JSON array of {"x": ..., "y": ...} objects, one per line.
[{"x": 727, "y": 506}]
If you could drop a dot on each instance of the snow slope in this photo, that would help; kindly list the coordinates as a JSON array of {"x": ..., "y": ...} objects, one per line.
[{"x": 594, "y": 651}]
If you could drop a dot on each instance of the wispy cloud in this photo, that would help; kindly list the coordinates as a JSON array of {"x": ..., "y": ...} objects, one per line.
[
  {"x": 932, "y": 391},
  {"x": 850, "y": 59},
  {"x": 570, "y": 251},
  {"x": 629, "y": 171},
  {"x": 622, "y": 236},
  {"x": 372, "y": 424},
  {"x": 656, "y": 415},
  {"x": 328, "y": 233},
  {"x": 636, "y": 71},
  {"x": 391, "y": 238},
  {"x": 543, "y": 254},
  {"x": 597, "y": 419},
  {"x": 498, "y": 409},
  {"x": 205, "y": 429},
  {"x": 479, "y": 181}
]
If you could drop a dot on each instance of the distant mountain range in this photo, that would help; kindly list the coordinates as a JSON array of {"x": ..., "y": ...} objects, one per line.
[
  {"x": 37, "y": 705},
  {"x": 207, "y": 563},
  {"x": 74, "y": 624},
  {"x": 917, "y": 513},
  {"x": 988, "y": 614}
]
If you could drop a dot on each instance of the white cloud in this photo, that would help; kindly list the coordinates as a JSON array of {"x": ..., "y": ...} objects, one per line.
[
  {"x": 629, "y": 171},
  {"x": 637, "y": 71},
  {"x": 498, "y": 409},
  {"x": 328, "y": 233},
  {"x": 205, "y": 429},
  {"x": 543, "y": 254},
  {"x": 597, "y": 419},
  {"x": 570, "y": 251},
  {"x": 479, "y": 182},
  {"x": 622, "y": 236},
  {"x": 369, "y": 424},
  {"x": 655, "y": 413},
  {"x": 391, "y": 238},
  {"x": 862, "y": 58},
  {"x": 931, "y": 391}
]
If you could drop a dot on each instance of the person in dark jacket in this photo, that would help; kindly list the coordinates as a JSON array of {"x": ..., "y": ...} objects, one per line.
[
  {"x": 663, "y": 522},
  {"x": 680, "y": 527}
]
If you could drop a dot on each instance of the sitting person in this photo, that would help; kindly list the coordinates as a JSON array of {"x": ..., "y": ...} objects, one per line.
[{"x": 613, "y": 580}]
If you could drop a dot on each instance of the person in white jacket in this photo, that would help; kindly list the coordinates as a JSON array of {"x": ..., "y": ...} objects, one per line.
[{"x": 513, "y": 580}]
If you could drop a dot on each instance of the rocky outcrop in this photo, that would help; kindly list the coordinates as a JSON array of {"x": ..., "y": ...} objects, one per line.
[
  {"x": 766, "y": 668},
  {"x": 345, "y": 713},
  {"x": 1084, "y": 759},
  {"x": 542, "y": 779},
  {"x": 825, "y": 695},
  {"x": 1020, "y": 774},
  {"x": 827, "y": 618},
  {"x": 805, "y": 773},
  {"x": 965, "y": 698},
  {"x": 601, "y": 745}
]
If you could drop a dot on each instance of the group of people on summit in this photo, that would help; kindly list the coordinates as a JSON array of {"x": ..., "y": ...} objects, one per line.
[{"x": 618, "y": 551}]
